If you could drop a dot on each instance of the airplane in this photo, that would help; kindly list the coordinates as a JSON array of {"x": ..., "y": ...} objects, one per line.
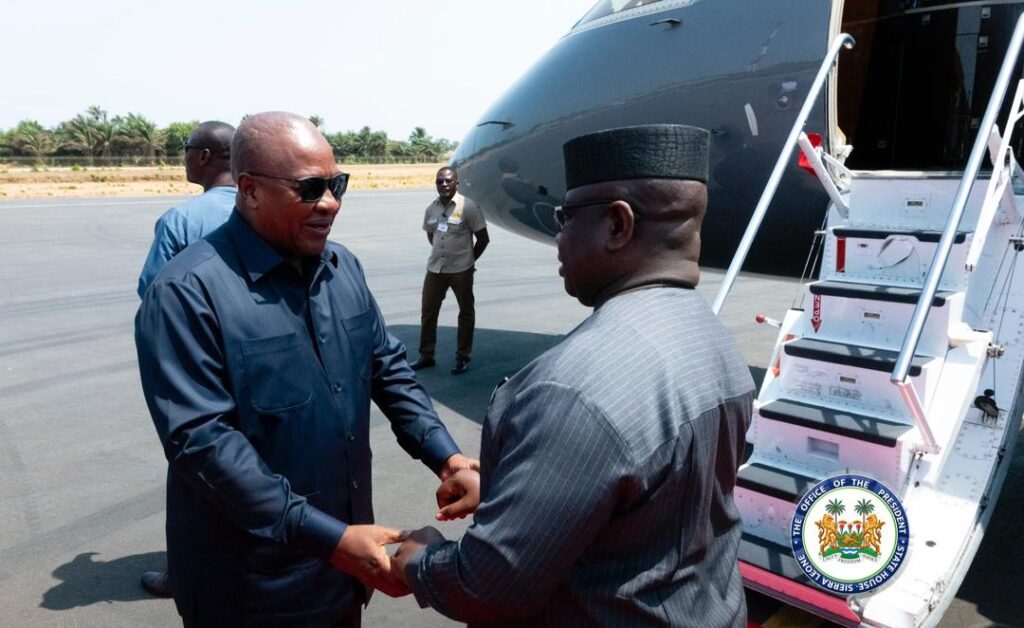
[
  {"x": 740, "y": 69},
  {"x": 902, "y": 365}
]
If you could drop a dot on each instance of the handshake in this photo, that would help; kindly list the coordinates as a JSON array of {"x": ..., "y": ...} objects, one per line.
[{"x": 361, "y": 551}]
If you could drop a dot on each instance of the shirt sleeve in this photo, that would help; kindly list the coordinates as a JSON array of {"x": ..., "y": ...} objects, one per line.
[
  {"x": 168, "y": 236},
  {"x": 426, "y": 220},
  {"x": 184, "y": 380},
  {"x": 399, "y": 395},
  {"x": 554, "y": 488},
  {"x": 475, "y": 217}
]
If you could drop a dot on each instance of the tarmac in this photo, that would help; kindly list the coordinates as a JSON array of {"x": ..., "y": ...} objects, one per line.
[{"x": 81, "y": 470}]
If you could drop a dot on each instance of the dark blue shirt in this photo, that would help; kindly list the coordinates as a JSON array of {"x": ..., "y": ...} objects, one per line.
[{"x": 259, "y": 376}]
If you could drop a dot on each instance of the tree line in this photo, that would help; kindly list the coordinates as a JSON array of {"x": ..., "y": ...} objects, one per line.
[{"x": 93, "y": 136}]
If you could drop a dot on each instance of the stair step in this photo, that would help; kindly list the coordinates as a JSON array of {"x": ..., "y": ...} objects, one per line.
[
  {"x": 851, "y": 355},
  {"x": 774, "y": 482},
  {"x": 840, "y": 422},
  {"x": 891, "y": 294},
  {"x": 769, "y": 556},
  {"x": 878, "y": 234}
]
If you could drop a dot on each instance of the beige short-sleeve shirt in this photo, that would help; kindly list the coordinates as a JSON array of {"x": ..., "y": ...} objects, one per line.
[{"x": 453, "y": 226}]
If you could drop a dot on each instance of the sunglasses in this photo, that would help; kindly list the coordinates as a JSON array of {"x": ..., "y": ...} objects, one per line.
[
  {"x": 311, "y": 189},
  {"x": 561, "y": 212},
  {"x": 442, "y": 180}
]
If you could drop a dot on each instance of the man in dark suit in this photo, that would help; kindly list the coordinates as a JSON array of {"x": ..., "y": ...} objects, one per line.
[
  {"x": 260, "y": 349},
  {"x": 609, "y": 462}
]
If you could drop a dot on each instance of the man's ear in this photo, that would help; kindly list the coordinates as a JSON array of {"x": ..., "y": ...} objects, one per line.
[
  {"x": 205, "y": 157},
  {"x": 621, "y": 222},
  {"x": 247, "y": 188}
]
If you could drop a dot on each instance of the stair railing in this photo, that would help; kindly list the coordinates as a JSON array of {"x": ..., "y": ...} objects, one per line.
[
  {"x": 1000, "y": 186},
  {"x": 945, "y": 245},
  {"x": 844, "y": 40}
]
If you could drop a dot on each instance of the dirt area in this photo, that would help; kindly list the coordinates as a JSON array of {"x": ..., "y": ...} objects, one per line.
[{"x": 26, "y": 183}]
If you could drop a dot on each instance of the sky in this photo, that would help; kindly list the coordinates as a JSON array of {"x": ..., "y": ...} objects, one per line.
[{"x": 392, "y": 65}]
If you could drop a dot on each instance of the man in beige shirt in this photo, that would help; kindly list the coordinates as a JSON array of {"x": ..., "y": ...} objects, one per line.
[{"x": 457, "y": 234}]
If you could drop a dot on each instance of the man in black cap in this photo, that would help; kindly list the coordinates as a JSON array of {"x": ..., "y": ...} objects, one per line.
[{"x": 608, "y": 464}]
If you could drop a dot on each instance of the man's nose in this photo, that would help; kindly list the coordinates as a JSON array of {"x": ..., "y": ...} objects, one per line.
[{"x": 328, "y": 202}]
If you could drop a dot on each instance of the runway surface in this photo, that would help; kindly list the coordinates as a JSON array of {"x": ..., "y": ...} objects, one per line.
[{"x": 81, "y": 470}]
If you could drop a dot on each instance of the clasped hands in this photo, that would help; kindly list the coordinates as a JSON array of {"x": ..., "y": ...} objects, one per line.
[{"x": 362, "y": 552}]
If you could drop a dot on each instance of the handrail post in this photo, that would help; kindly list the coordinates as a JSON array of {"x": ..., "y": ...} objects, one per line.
[
  {"x": 844, "y": 40},
  {"x": 942, "y": 250},
  {"x": 938, "y": 266},
  {"x": 823, "y": 176}
]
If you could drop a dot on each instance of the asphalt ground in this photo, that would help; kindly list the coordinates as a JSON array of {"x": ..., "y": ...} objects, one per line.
[{"x": 81, "y": 470}]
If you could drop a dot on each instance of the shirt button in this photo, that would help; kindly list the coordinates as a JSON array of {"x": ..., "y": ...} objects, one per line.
[
  {"x": 336, "y": 387},
  {"x": 350, "y": 436},
  {"x": 323, "y": 339},
  {"x": 355, "y": 484}
]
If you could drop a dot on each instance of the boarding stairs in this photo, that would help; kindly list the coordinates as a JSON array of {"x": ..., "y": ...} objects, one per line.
[{"x": 901, "y": 362}]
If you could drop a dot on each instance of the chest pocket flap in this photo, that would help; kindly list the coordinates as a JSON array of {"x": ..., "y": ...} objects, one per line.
[
  {"x": 277, "y": 373},
  {"x": 359, "y": 329}
]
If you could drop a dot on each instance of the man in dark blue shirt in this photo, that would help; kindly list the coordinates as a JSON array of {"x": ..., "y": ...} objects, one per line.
[
  {"x": 207, "y": 163},
  {"x": 260, "y": 349}
]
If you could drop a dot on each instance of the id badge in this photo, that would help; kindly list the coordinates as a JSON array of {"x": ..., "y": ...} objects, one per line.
[{"x": 442, "y": 226}]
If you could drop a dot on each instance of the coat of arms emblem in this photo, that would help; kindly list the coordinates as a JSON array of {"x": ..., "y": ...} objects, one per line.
[{"x": 850, "y": 534}]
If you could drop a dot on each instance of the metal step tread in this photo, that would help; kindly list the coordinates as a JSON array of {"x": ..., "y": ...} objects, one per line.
[
  {"x": 840, "y": 422},
  {"x": 774, "y": 482},
  {"x": 769, "y": 556},
  {"x": 872, "y": 292},
  {"x": 851, "y": 355},
  {"x": 879, "y": 234}
]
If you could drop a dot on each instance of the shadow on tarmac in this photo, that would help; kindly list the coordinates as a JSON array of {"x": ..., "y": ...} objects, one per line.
[
  {"x": 85, "y": 581},
  {"x": 497, "y": 354}
]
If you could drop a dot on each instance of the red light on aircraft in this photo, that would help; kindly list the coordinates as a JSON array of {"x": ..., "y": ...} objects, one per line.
[{"x": 802, "y": 161}]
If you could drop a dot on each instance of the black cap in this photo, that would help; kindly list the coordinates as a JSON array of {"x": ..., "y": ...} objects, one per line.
[{"x": 655, "y": 151}]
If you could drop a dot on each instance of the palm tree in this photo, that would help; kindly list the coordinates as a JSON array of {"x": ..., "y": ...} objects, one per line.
[
  {"x": 398, "y": 148},
  {"x": 344, "y": 144},
  {"x": 29, "y": 138},
  {"x": 369, "y": 143},
  {"x": 6, "y": 141},
  {"x": 105, "y": 131},
  {"x": 835, "y": 508},
  {"x": 864, "y": 508},
  {"x": 317, "y": 121},
  {"x": 422, "y": 144},
  {"x": 90, "y": 133},
  {"x": 135, "y": 134}
]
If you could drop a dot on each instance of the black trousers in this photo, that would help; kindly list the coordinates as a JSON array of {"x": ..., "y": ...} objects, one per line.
[{"x": 435, "y": 287}]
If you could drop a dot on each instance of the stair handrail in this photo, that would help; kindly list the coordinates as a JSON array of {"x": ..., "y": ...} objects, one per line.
[
  {"x": 945, "y": 245},
  {"x": 843, "y": 40},
  {"x": 1000, "y": 187}
]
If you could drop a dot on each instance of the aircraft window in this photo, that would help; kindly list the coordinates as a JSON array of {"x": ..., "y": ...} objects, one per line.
[
  {"x": 913, "y": 90},
  {"x": 604, "y": 8}
]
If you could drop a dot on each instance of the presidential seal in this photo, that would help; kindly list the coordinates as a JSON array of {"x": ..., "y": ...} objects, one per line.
[{"x": 850, "y": 534}]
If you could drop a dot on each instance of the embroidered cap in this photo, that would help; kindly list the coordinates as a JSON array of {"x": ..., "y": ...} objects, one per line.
[{"x": 655, "y": 151}]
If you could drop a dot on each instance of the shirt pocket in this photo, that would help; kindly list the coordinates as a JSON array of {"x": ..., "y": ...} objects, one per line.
[
  {"x": 277, "y": 374},
  {"x": 359, "y": 329},
  {"x": 457, "y": 227}
]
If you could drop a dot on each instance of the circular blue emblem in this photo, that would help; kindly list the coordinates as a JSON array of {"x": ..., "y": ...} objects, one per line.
[{"x": 850, "y": 534}]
